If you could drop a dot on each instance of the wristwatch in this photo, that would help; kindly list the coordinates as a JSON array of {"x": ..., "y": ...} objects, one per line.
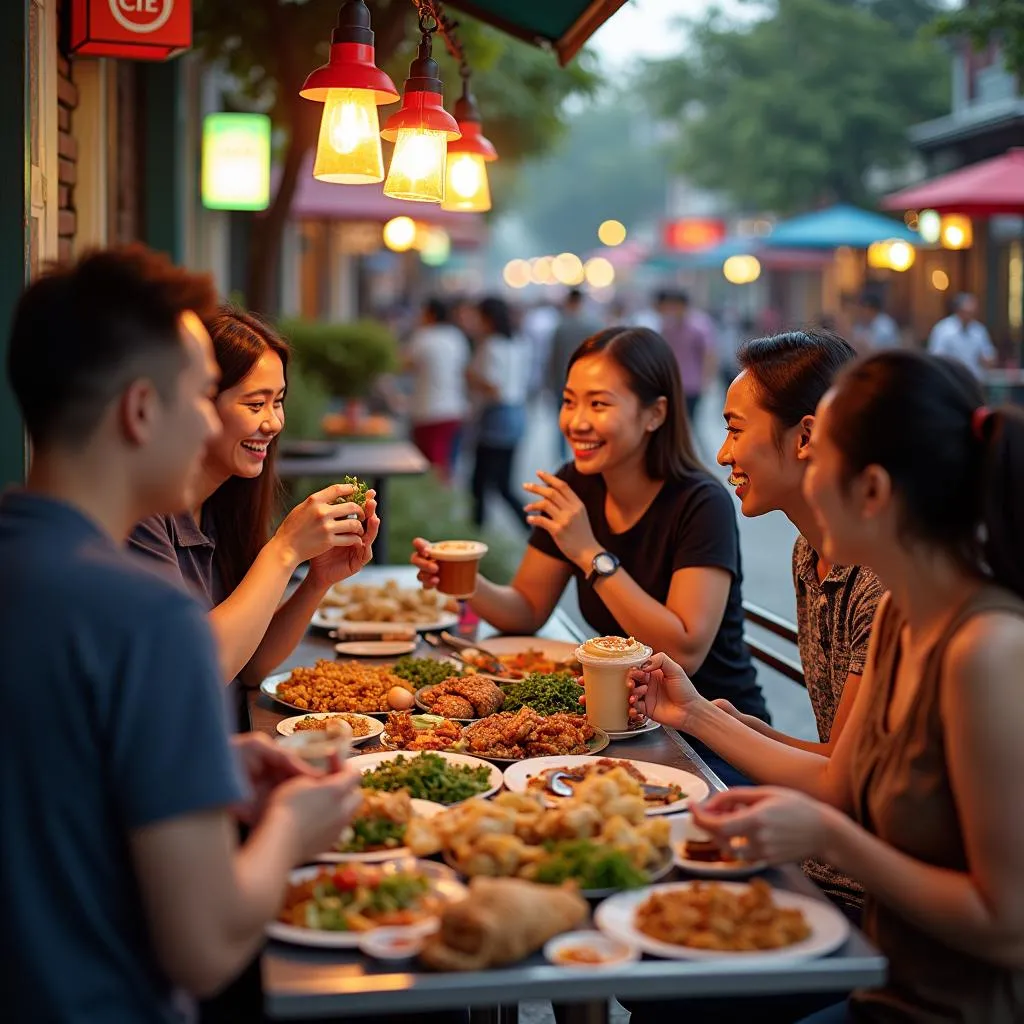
[{"x": 604, "y": 564}]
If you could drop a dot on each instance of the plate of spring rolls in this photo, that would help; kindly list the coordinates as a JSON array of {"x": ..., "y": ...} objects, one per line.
[{"x": 502, "y": 921}]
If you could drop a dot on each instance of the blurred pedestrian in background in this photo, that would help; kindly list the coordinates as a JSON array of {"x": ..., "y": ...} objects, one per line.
[
  {"x": 690, "y": 334},
  {"x": 437, "y": 357},
  {"x": 962, "y": 337},
  {"x": 873, "y": 328},
  {"x": 498, "y": 376}
]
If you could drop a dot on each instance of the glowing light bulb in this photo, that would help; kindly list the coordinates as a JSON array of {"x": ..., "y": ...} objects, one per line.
[
  {"x": 348, "y": 150},
  {"x": 466, "y": 187},
  {"x": 400, "y": 234},
  {"x": 418, "y": 166}
]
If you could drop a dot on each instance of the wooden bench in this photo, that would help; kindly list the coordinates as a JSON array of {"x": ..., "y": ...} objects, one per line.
[{"x": 774, "y": 624}]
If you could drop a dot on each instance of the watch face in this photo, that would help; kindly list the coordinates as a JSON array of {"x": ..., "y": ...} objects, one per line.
[{"x": 605, "y": 563}]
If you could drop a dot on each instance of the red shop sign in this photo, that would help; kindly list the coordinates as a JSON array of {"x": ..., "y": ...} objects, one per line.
[
  {"x": 133, "y": 29},
  {"x": 690, "y": 234}
]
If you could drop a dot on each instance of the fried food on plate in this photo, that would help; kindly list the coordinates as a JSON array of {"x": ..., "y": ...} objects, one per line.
[
  {"x": 340, "y": 686},
  {"x": 527, "y": 734},
  {"x": 422, "y": 732},
  {"x": 481, "y": 696},
  {"x": 711, "y": 916}
]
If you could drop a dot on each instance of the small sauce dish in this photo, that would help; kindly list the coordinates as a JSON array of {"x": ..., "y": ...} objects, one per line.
[
  {"x": 392, "y": 943},
  {"x": 589, "y": 950}
]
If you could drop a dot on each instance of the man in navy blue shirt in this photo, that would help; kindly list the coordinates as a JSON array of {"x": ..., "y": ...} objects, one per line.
[{"x": 122, "y": 881}]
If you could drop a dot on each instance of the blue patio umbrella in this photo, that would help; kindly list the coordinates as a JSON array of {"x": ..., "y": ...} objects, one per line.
[
  {"x": 837, "y": 226},
  {"x": 702, "y": 259}
]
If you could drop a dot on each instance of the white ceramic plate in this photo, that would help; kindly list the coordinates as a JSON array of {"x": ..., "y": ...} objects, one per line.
[
  {"x": 333, "y": 618},
  {"x": 829, "y": 929},
  {"x": 376, "y": 648},
  {"x": 269, "y": 687},
  {"x": 693, "y": 787},
  {"x": 444, "y": 883},
  {"x": 420, "y": 808},
  {"x": 557, "y": 650},
  {"x": 627, "y": 734},
  {"x": 708, "y": 868},
  {"x": 286, "y": 727},
  {"x": 367, "y": 762}
]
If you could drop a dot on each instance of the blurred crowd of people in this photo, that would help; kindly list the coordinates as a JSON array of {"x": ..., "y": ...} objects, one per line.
[{"x": 475, "y": 366}]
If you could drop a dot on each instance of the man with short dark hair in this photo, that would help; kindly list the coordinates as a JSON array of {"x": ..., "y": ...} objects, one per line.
[{"x": 121, "y": 877}]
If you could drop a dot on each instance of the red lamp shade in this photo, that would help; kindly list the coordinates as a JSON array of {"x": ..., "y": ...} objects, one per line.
[
  {"x": 466, "y": 188},
  {"x": 421, "y": 130},
  {"x": 351, "y": 87}
]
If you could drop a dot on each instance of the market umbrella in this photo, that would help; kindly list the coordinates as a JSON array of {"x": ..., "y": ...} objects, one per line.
[
  {"x": 563, "y": 24},
  {"x": 991, "y": 187},
  {"x": 838, "y": 226}
]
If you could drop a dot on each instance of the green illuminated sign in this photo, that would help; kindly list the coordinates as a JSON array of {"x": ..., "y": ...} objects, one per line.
[{"x": 236, "y": 162}]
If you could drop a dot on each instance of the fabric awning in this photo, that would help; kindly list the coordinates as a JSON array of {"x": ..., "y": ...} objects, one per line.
[
  {"x": 838, "y": 226},
  {"x": 320, "y": 200},
  {"x": 565, "y": 25},
  {"x": 983, "y": 190}
]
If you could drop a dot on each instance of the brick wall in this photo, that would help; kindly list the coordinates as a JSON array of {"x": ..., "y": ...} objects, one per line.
[{"x": 67, "y": 145}]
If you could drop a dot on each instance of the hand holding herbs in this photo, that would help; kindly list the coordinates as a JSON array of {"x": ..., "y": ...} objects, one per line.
[{"x": 358, "y": 497}]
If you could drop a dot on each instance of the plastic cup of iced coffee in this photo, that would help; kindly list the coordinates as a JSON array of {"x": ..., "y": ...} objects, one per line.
[
  {"x": 607, "y": 661},
  {"x": 323, "y": 749},
  {"x": 457, "y": 564}
]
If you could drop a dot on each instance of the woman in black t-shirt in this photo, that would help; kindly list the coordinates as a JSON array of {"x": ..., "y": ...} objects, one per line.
[{"x": 649, "y": 535}]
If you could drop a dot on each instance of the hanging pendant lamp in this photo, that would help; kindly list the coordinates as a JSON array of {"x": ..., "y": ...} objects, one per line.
[
  {"x": 351, "y": 87},
  {"x": 421, "y": 130},
  {"x": 466, "y": 189}
]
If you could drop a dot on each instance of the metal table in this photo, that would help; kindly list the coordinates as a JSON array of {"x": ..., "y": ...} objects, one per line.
[
  {"x": 375, "y": 461},
  {"x": 314, "y": 984}
]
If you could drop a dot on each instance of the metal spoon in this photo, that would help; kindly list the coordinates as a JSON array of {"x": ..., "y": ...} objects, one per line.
[
  {"x": 460, "y": 646},
  {"x": 558, "y": 785}
]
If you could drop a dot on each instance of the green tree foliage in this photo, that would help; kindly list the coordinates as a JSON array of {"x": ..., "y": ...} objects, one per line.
[
  {"x": 608, "y": 165},
  {"x": 796, "y": 108},
  {"x": 985, "y": 21},
  {"x": 269, "y": 46}
]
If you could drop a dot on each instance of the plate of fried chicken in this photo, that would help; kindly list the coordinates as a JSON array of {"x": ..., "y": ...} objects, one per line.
[
  {"x": 461, "y": 698},
  {"x": 504, "y": 737}
]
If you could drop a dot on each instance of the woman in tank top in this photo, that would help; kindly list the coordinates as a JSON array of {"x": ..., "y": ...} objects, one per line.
[{"x": 921, "y": 798}]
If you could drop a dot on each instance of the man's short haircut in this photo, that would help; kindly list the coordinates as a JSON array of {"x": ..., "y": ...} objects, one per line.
[{"x": 83, "y": 332}]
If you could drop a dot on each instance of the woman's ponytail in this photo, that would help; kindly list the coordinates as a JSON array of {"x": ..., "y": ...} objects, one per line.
[{"x": 1001, "y": 432}]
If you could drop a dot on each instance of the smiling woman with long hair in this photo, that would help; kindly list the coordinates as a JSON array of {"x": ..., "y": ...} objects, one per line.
[
  {"x": 648, "y": 534},
  {"x": 920, "y": 800},
  {"x": 224, "y": 548}
]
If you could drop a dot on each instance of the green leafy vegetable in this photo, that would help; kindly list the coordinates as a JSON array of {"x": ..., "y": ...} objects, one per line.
[
  {"x": 429, "y": 777},
  {"x": 359, "y": 497},
  {"x": 423, "y": 671},
  {"x": 546, "y": 693},
  {"x": 373, "y": 834},
  {"x": 589, "y": 864}
]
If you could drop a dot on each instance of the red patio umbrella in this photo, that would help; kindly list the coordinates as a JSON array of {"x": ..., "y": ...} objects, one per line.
[{"x": 981, "y": 190}]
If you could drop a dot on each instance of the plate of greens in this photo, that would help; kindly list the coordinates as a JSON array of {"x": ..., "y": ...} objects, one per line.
[
  {"x": 377, "y": 834},
  {"x": 438, "y": 776},
  {"x": 546, "y": 692}
]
